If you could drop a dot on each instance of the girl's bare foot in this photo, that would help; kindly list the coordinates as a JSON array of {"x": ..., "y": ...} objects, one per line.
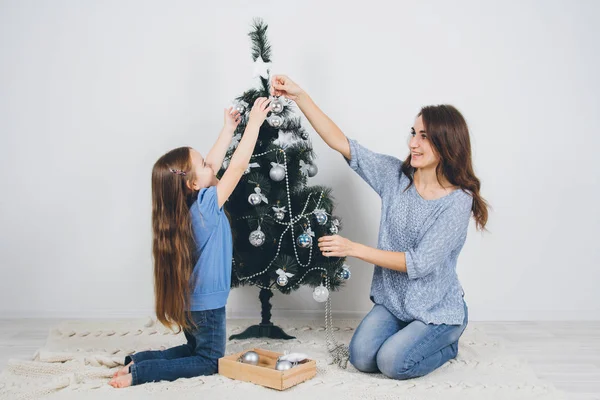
[
  {"x": 122, "y": 381},
  {"x": 123, "y": 371}
]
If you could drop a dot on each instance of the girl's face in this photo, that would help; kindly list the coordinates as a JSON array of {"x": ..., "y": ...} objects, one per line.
[
  {"x": 421, "y": 151},
  {"x": 204, "y": 174}
]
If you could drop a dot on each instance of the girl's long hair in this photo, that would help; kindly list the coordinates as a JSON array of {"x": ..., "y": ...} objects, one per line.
[
  {"x": 449, "y": 136},
  {"x": 173, "y": 247}
]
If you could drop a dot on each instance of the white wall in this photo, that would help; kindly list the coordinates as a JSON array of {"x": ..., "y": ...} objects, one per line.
[{"x": 92, "y": 93}]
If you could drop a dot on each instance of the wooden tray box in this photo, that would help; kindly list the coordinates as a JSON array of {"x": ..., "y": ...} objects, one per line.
[{"x": 264, "y": 373}]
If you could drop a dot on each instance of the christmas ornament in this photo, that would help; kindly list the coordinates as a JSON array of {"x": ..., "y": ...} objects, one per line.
[
  {"x": 321, "y": 216},
  {"x": 235, "y": 141},
  {"x": 256, "y": 197},
  {"x": 285, "y": 139},
  {"x": 320, "y": 293},
  {"x": 261, "y": 68},
  {"x": 335, "y": 227},
  {"x": 305, "y": 240},
  {"x": 279, "y": 213},
  {"x": 241, "y": 107},
  {"x": 283, "y": 365},
  {"x": 345, "y": 273},
  {"x": 257, "y": 237},
  {"x": 277, "y": 172},
  {"x": 276, "y": 105},
  {"x": 249, "y": 357},
  {"x": 305, "y": 135},
  {"x": 294, "y": 358},
  {"x": 312, "y": 170},
  {"x": 275, "y": 121},
  {"x": 282, "y": 277},
  {"x": 251, "y": 165}
]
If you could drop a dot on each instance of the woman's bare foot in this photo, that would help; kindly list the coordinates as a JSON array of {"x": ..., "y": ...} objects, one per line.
[
  {"x": 122, "y": 381},
  {"x": 123, "y": 371}
]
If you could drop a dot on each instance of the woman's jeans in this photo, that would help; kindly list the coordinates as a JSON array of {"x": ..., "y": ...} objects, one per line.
[
  {"x": 205, "y": 345},
  {"x": 402, "y": 350}
]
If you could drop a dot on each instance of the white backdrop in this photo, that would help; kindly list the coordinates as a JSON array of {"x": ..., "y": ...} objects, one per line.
[{"x": 92, "y": 93}]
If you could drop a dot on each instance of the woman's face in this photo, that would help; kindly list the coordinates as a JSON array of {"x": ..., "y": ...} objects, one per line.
[{"x": 422, "y": 154}]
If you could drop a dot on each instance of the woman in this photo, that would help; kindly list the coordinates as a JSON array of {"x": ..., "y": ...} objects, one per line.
[{"x": 427, "y": 201}]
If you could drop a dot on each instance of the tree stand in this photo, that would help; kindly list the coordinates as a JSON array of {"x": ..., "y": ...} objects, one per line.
[{"x": 266, "y": 327}]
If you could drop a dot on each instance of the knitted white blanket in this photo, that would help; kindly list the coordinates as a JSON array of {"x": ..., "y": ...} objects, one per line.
[{"x": 81, "y": 356}]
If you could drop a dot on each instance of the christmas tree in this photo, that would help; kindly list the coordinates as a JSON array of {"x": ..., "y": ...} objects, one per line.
[{"x": 275, "y": 217}]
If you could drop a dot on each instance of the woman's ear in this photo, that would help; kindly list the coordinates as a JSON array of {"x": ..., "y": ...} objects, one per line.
[{"x": 192, "y": 185}]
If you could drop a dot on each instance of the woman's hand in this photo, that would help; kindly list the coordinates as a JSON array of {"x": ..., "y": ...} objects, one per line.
[
  {"x": 259, "y": 111},
  {"x": 232, "y": 119},
  {"x": 336, "y": 246},
  {"x": 281, "y": 85}
]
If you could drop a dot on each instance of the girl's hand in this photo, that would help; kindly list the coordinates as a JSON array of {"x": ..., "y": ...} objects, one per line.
[
  {"x": 232, "y": 119},
  {"x": 335, "y": 246},
  {"x": 281, "y": 85},
  {"x": 259, "y": 111}
]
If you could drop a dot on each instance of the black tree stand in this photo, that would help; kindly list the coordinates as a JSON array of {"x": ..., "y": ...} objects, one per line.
[{"x": 266, "y": 327}]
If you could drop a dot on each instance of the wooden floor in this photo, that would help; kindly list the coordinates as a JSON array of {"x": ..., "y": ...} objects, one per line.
[{"x": 565, "y": 353}]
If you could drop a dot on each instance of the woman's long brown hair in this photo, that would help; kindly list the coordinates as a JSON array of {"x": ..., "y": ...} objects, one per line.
[
  {"x": 173, "y": 245},
  {"x": 449, "y": 136}
]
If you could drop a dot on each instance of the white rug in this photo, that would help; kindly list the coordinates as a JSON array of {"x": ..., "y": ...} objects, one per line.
[{"x": 80, "y": 357}]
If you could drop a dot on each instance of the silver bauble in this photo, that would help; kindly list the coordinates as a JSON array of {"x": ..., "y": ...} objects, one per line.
[
  {"x": 275, "y": 121},
  {"x": 241, "y": 107},
  {"x": 312, "y": 170},
  {"x": 279, "y": 215},
  {"x": 249, "y": 357},
  {"x": 257, "y": 238},
  {"x": 283, "y": 365},
  {"x": 334, "y": 230},
  {"x": 321, "y": 294},
  {"x": 305, "y": 135},
  {"x": 321, "y": 218},
  {"x": 345, "y": 273},
  {"x": 254, "y": 199},
  {"x": 277, "y": 173},
  {"x": 276, "y": 105},
  {"x": 282, "y": 280},
  {"x": 304, "y": 240}
]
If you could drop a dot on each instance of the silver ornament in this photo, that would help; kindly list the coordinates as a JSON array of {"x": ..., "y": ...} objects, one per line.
[
  {"x": 305, "y": 135},
  {"x": 334, "y": 229},
  {"x": 254, "y": 199},
  {"x": 345, "y": 273},
  {"x": 241, "y": 106},
  {"x": 275, "y": 121},
  {"x": 257, "y": 238},
  {"x": 249, "y": 357},
  {"x": 312, "y": 170},
  {"x": 279, "y": 215},
  {"x": 276, "y": 105},
  {"x": 321, "y": 217},
  {"x": 283, "y": 365},
  {"x": 304, "y": 240},
  {"x": 282, "y": 280},
  {"x": 277, "y": 173},
  {"x": 321, "y": 294}
]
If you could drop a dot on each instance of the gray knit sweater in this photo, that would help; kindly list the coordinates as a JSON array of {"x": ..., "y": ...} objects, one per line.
[{"x": 430, "y": 232}]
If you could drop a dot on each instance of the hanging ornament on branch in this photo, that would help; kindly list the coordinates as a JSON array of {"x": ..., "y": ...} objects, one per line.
[
  {"x": 277, "y": 172},
  {"x": 335, "y": 227},
  {"x": 279, "y": 213},
  {"x": 320, "y": 216},
  {"x": 345, "y": 273},
  {"x": 305, "y": 240},
  {"x": 241, "y": 107},
  {"x": 283, "y": 277},
  {"x": 309, "y": 170},
  {"x": 276, "y": 105},
  {"x": 321, "y": 293},
  {"x": 257, "y": 237},
  {"x": 257, "y": 197},
  {"x": 275, "y": 120}
]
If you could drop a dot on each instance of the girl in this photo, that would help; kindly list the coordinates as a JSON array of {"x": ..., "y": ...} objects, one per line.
[
  {"x": 192, "y": 253},
  {"x": 427, "y": 200}
]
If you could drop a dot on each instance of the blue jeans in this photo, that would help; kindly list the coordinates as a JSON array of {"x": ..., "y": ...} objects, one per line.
[
  {"x": 402, "y": 350},
  {"x": 205, "y": 345}
]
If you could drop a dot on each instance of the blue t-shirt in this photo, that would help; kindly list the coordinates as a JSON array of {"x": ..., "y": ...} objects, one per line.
[{"x": 212, "y": 272}]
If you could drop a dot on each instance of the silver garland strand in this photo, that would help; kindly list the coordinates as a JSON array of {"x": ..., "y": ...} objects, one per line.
[{"x": 339, "y": 352}]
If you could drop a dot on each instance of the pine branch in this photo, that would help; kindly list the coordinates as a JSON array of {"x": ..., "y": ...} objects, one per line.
[{"x": 260, "y": 44}]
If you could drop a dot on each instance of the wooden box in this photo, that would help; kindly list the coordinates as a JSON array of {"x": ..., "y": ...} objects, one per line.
[{"x": 265, "y": 373}]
